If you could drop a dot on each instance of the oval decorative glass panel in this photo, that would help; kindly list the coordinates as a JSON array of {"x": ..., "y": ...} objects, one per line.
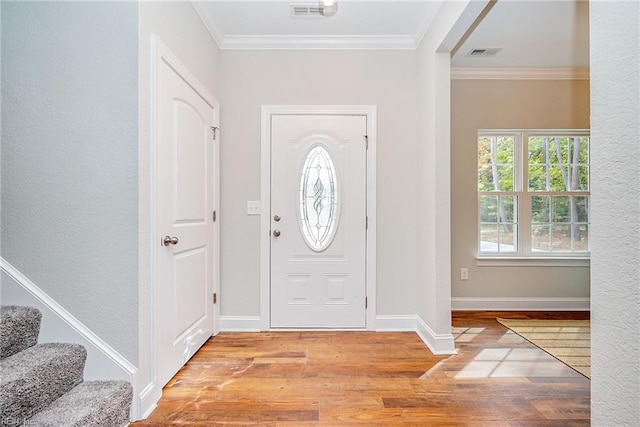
[{"x": 318, "y": 199}]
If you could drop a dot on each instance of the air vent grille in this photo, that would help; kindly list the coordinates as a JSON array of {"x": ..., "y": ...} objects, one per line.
[
  {"x": 300, "y": 11},
  {"x": 484, "y": 52}
]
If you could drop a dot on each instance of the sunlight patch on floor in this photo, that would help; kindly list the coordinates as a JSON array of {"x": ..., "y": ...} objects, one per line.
[
  {"x": 513, "y": 363},
  {"x": 465, "y": 334}
]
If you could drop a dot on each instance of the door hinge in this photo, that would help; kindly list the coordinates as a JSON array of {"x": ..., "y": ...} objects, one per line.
[
  {"x": 366, "y": 303},
  {"x": 366, "y": 223},
  {"x": 215, "y": 298},
  {"x": 214, "y": 130},
  {"x": 214, "y": 216},
  {"x": 366, "y": 142}
]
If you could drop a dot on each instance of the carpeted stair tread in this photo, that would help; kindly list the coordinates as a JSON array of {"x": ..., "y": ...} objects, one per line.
[
  {"x": 89, "y": 404},
  {"x": 37, "y": 376},
  {"x": 19, "y": 328}
]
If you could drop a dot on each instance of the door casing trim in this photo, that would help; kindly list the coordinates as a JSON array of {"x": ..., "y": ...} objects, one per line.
[{"x": 370, "y": 111}]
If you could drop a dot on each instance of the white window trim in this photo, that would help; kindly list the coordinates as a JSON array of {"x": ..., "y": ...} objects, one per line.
[{"x": 524, "y": 256}]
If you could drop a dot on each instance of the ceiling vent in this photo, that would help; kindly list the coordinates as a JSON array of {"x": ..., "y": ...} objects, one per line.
[
  {"x": 302, "y": 11},
  {"x": 484, "y": 52}
]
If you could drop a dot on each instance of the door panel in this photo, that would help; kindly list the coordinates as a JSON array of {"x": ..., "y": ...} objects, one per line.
[
  {"x": 185, "y": 197},
  {"x": 318, "y": 214},
  {"x": 190, "y": 273},
  {"x": 191, "y": 163}
]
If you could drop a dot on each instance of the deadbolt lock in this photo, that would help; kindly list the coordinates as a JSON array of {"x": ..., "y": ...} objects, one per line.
[{"x": 169, "y": 240}]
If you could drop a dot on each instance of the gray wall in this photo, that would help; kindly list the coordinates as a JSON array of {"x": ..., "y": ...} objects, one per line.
[
  {"x": 384, "y": 78},
  {"x": 615, "y": 211},
  {"x": 69, "y": 158},
  {"x": 506, "y": 104}
]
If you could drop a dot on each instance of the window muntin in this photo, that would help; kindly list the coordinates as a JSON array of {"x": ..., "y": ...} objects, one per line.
[
  {"x": 560, "y": 223},
  {"x": 498, "y": 224},
  {"x": 558, "y": 163},
  {"x": 533, "y": 193},
  {"x": 495, "y": 163}
]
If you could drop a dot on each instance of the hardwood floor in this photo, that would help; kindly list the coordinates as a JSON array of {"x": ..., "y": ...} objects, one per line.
[{"x": 376, "y": 379}]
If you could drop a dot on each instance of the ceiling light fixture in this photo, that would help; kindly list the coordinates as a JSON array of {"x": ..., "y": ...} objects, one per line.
[{"x": 329, "y": 7}]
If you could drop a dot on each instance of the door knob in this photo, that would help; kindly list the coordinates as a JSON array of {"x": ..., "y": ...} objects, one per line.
[
  {"x": 276, "y": 233},
  {"x": 276, "y": 218},
  {"x": 169, "y": 240}
]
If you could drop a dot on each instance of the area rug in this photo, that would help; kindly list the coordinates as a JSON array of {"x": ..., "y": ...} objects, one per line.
[{"x": 569, "y": 341}]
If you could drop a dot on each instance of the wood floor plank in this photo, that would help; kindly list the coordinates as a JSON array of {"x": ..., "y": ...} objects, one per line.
[{"x": 285, "y": 379}]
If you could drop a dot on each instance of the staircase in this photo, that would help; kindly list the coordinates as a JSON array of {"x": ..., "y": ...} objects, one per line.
[{"x": 42, "y": 384}]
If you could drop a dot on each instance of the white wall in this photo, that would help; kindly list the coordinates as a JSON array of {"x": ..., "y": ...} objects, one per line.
[
  {"x": 178, "y": 26},
  {"x": 507, "y": 104},
  {"x": 434, "y": 227},
  {"x": 69, "y": 158},
  {"x": 615, "y": 211},
  {"x": 383, "y": 78}
]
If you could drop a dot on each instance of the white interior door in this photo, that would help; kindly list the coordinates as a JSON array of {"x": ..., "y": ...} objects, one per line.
[
  {"x": 186, "y": 193},
  {"x": 318, "y": 221}
]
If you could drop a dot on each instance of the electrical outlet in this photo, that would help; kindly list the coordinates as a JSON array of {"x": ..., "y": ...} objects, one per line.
[
  {"x": 253, "y": 207},
  {"x": 464, "y": 274}
]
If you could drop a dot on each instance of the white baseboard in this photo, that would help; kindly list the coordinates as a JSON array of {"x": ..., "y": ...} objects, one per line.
[
  {"x": 58, "y": 325},
  {"x": 240, "y": 324},
  {"x": 520, "y": 304},
  {"x": 149, "y": 398},
  {"x": 439, "y": 344},
  {"x": 396, "y": 323}
]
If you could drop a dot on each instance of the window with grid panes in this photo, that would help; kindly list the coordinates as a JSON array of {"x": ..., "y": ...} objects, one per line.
[{"x": 533, "y": 193}]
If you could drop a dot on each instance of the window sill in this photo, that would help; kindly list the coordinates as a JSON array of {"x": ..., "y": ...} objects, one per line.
[{"x": 505, "y": 261}]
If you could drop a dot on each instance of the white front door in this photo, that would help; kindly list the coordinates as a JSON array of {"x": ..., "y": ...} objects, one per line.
[
  {"x": 186, "y": 193},
  {"x": 318, "y": 221}
]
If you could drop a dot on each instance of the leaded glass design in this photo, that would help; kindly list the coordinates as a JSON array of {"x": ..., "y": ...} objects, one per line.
[{"x": 318, "y": 199}]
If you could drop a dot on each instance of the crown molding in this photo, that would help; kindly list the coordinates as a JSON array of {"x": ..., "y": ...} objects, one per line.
[
  {"x": 213, "y": 31},
  {"x": 422, "y": 29},
  {"x": 301, "y": 42},
  {"x": 459, "y": 73}
]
